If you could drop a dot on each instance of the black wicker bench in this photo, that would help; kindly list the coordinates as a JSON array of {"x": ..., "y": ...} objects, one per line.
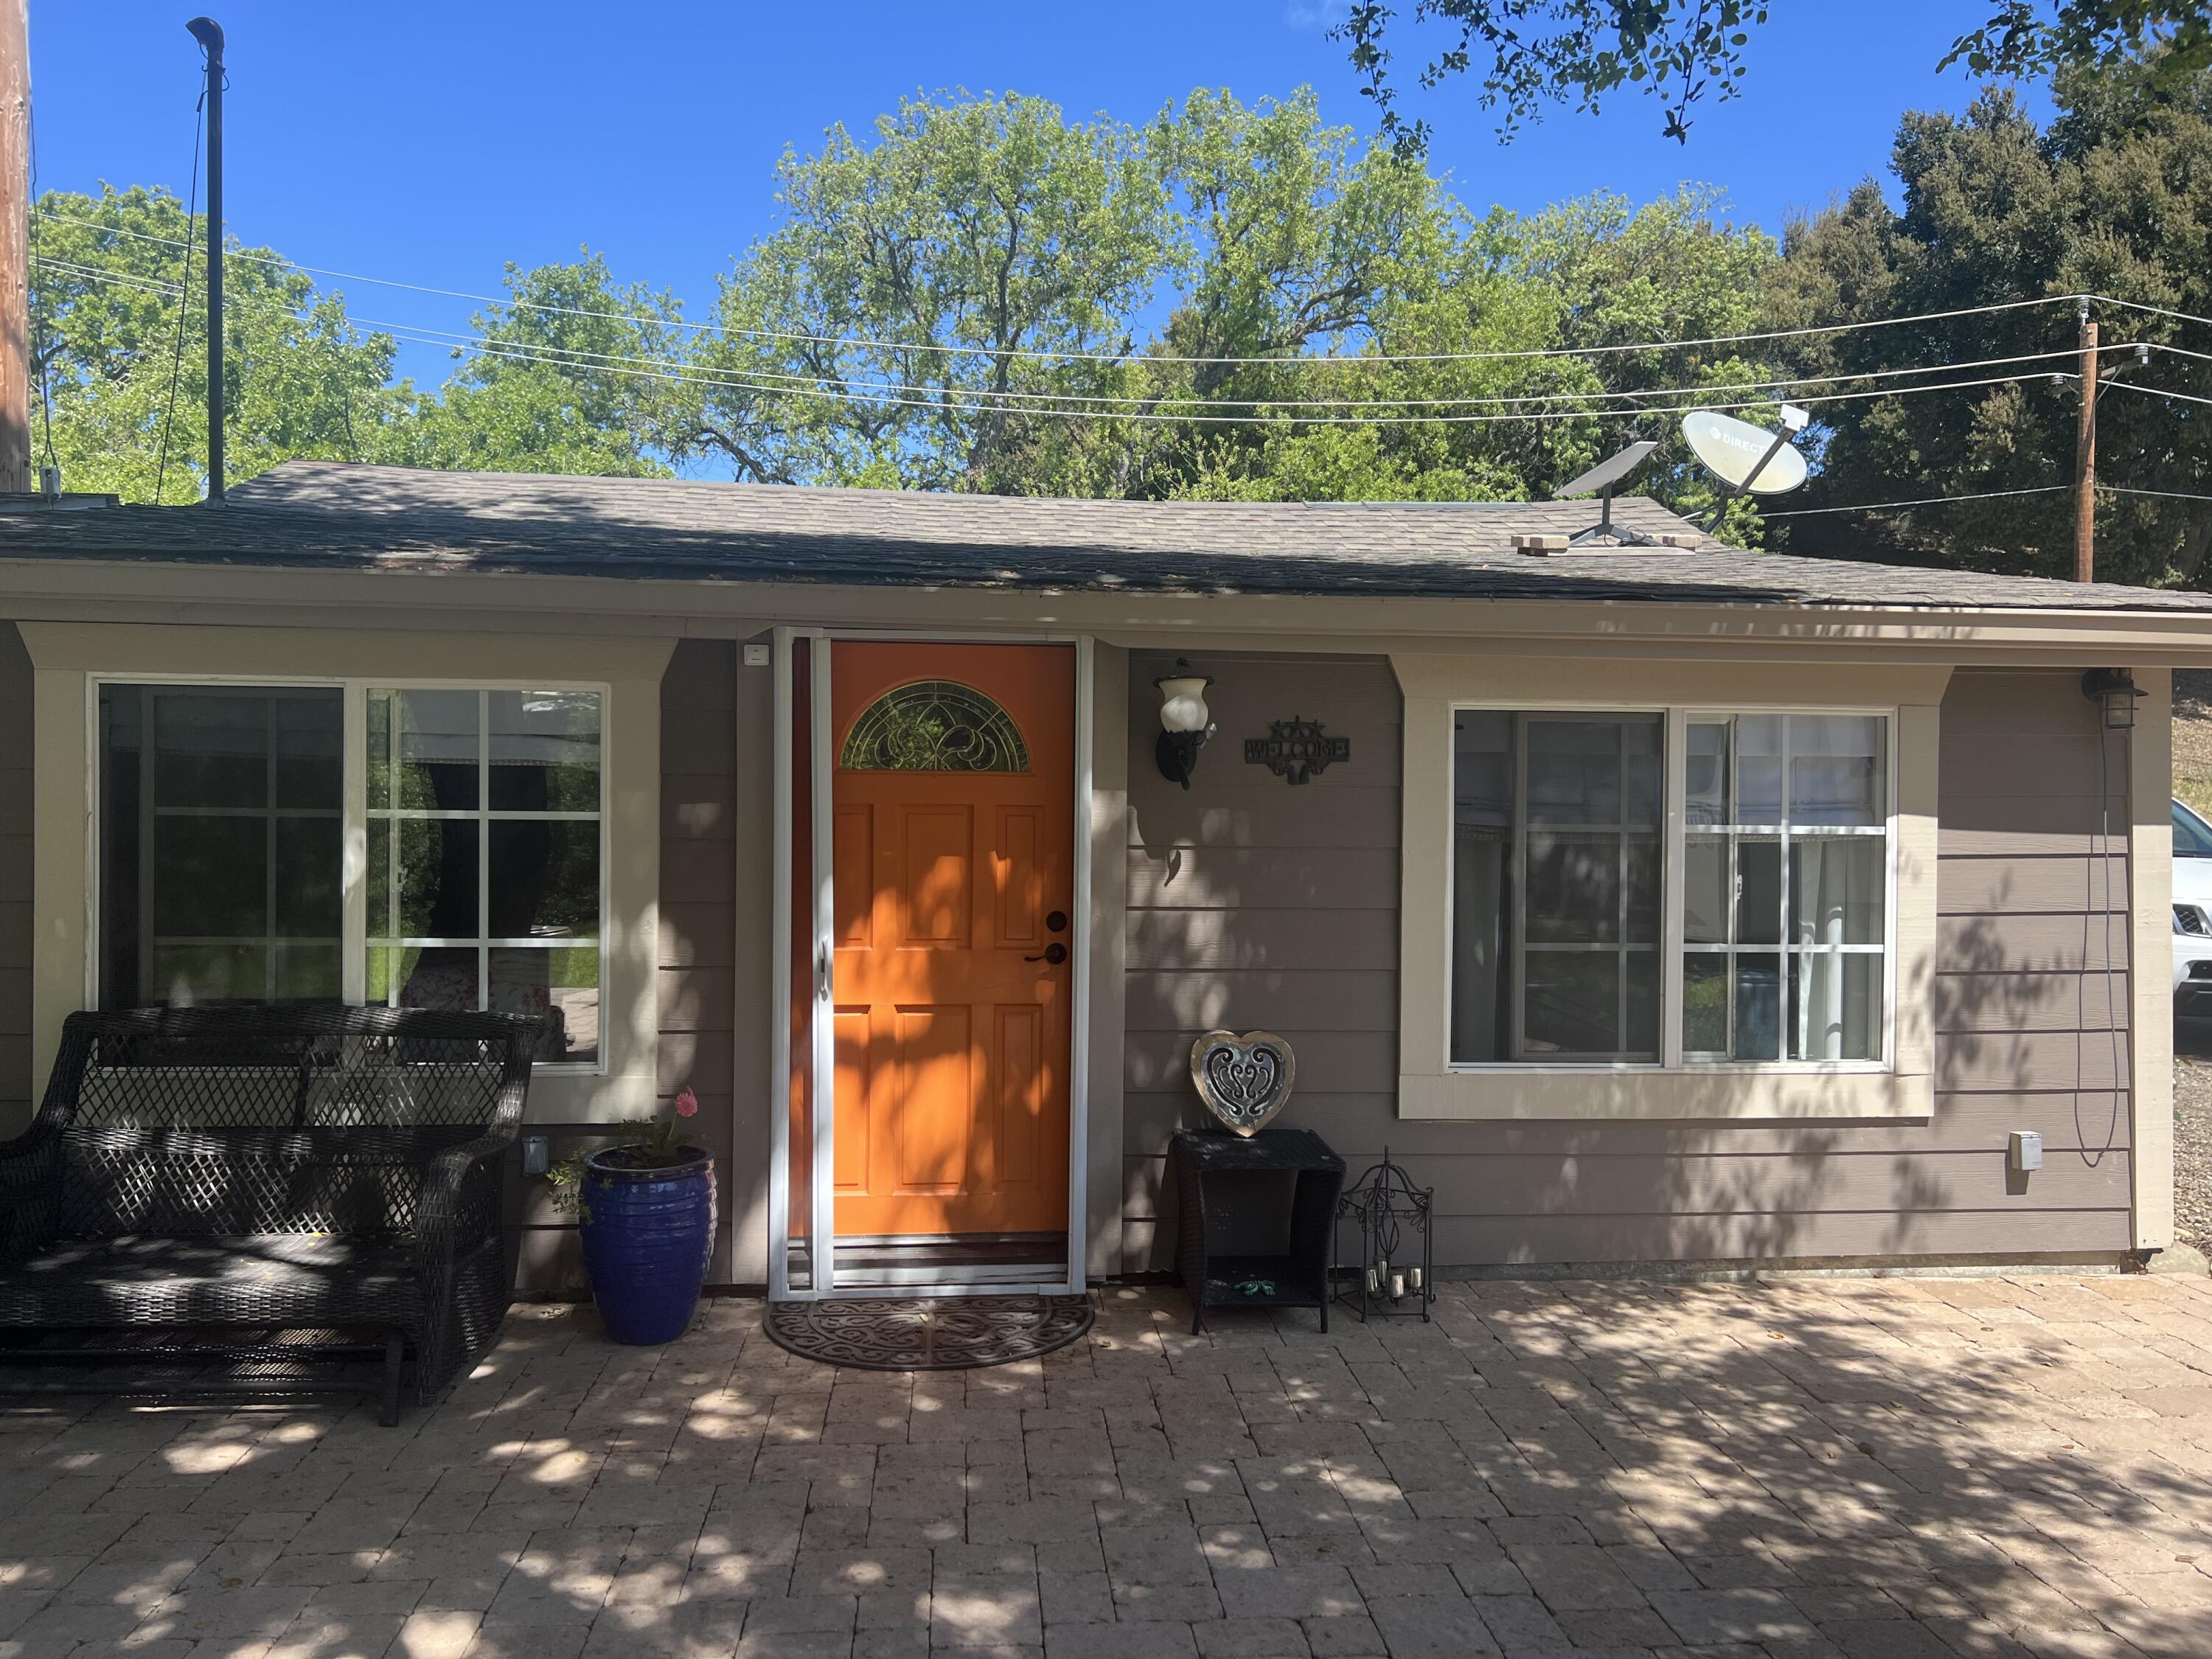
[{"x": 203, "y": 1190}]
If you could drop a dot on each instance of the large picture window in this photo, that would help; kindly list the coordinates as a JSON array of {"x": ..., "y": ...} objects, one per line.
[
  {"x": 1589, "y": 848},
  {"x": 222, "y": 825}
]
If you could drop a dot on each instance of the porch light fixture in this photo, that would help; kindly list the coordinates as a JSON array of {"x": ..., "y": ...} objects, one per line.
[
  {"x": 2115, "y": 690},
  {"x": 1184, "y": 723}
]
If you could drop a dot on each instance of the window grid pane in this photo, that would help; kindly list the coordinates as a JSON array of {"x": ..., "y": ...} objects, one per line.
[
  {"x": 1589, "y": 794},
  {"x": 1807, "y": 873},
  {"x": 451, "y": 833},
  {"x": 221, "y": 818}
]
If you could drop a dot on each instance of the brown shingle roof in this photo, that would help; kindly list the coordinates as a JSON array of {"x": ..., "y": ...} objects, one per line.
[{"x": 329, "y": 515}]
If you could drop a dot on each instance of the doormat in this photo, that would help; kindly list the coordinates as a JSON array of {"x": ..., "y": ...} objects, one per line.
[{"x": 927, "y": 1333}]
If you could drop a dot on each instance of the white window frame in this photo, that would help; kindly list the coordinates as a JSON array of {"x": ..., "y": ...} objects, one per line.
[
  {"x": 1672, "y": 1060},
  {"x": 355, "y": 873}
]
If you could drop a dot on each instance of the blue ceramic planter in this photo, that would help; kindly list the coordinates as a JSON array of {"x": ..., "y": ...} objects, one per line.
[{"x": 646, "y": 1236}]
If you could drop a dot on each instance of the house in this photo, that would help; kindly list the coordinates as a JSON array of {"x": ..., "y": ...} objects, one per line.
[{"x": 1655, "y": 906}]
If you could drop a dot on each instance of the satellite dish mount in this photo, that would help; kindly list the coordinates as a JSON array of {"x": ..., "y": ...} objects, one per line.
[{"x": 1603, "y": 477}]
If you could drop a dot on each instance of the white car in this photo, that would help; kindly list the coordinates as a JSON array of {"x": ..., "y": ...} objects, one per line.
[{"x": 2192, "y": 913}]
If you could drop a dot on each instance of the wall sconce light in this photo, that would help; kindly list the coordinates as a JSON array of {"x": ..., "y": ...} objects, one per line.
[
  {"x": 1184, "y": 725},
  {"x": 2114, "y": 688}
]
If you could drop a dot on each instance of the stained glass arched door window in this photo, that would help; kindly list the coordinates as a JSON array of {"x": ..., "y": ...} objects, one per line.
[{"x": 934, "y": 725}]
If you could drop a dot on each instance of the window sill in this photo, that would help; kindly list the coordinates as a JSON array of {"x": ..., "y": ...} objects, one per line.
[{"x": 1732, "y": 1094}]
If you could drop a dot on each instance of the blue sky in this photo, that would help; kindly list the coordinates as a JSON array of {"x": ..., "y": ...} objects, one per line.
[{"x": 433, "y": 142}]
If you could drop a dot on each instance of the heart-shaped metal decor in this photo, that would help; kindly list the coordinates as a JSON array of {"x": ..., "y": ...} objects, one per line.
[{"x": 1244, "y": 1080}]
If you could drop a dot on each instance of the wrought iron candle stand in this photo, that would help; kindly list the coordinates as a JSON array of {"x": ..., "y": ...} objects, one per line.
[{"x": 1387, "y": 1276}]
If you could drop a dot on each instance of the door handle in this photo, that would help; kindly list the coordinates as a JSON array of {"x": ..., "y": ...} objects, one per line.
[
  {"x": 1055, "y": 953},
  {"x": 821, "y": 976}
]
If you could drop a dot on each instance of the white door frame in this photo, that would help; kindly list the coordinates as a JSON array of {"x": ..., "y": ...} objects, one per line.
[{"x": 823, "y": 1058}]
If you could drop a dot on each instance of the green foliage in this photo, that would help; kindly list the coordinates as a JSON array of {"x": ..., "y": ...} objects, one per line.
[
  {"x": 1541, "y": 52},
  {"x": 987, "y": 296},
  {"x": 109, "y": 294},
  {"x": 568, "y": 376},
  {"x": 1037, "y": 273},
  {"x": 2115, "y": 197},
  {"x": 2024, "y": 38},
  {"x": 1549, "y": 52},
  {"x": 872, "y": 338}
]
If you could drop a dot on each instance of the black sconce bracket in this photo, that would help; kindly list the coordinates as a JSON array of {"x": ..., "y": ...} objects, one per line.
[{"x": 1177, "y": 754}]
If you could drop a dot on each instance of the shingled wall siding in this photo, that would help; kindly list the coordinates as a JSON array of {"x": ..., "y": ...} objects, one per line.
[
  {"x": 2033, "y": 991},
  {"x": 697, "y": 997},
  {"x": 1253, "y": 903},
  {"x": 18, "y": 1090}
]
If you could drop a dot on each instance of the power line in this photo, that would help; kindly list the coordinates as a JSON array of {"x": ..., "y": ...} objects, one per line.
[
  {"x": 1025, "y": 401},
  {"x": 2138, "y": 305},
  {"x": 184, "y": 291},
  {"x": 2156, "y": 392},
  {"x": 1923, "y": 501},
  {"x": 938, "y": 402},
  {"x": 93, "y": 273},
  {"x": 2159, "y": 494},
  {"x": 1984, "y": 496},
  {"x": 38, "y": 330},
  {"x": 515, "y": 302},
  {"x": 1019, "y": 401}
]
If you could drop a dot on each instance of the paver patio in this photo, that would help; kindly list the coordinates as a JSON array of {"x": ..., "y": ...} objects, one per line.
[{"x": 1864, "y": 1468}]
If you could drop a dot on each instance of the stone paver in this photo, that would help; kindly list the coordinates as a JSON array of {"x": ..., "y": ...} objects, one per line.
[{"x": 1927, "y": 1468}]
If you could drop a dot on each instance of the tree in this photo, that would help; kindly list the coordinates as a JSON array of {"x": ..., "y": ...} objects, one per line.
[
  {"x": 1541, "y": 52},
  {"x": 1536, "y": 294},
  {"x": 2114, "y": 199},
  {"x": 119, "y": 344},
  {"x": 889, "y": 330},
  {"x": 576, "y": 373}
]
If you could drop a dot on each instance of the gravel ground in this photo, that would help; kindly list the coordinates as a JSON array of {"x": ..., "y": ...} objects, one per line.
[
  {"x": 2193, "y": 1038},
  {"x": 2192, "y": 1147},
  {"x": 2192, "y": 737}
]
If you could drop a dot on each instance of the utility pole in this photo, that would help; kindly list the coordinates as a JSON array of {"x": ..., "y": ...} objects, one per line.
[
  {"x": 2085, "y": 460},
  {"x": 15, "y": 246},
  {"x": 209, "y": 33}
]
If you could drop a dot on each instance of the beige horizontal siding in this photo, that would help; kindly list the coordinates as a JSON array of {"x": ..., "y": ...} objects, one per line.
[
  {"x": 2002, "y": 1001},
  {"x": 2031, "y": 992},
  {"x": 1494, "y": 1186},
  {"x": 2013, "y": 884},
  {"x": 1276, "y": 908},
  {"x": 1364, "y": 1123},
  {"x": 1216, "y": 878},
  {"x": 1175, "y": 941},
  {"x": 696, "y": 993}
]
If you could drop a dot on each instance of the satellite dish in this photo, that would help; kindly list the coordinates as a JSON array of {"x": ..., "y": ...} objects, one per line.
[
  {"x": 1601, "y": 478},
  {"x": 1607, "y": 473},
  {"x": 1749, "y": 460}
]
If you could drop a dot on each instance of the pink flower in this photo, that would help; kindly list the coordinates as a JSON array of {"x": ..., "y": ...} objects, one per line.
[{"x": 687, "y": 1104}]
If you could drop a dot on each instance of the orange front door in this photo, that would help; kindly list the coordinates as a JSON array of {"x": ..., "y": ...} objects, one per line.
[{"x": 952, "y": 849}]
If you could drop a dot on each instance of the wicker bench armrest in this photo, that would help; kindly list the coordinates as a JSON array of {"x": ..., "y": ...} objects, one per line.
[
  {"x": 30, "y": 1188},
  {"x": 457, "y": 1216},
  {"x": 460, "y": 1202}
]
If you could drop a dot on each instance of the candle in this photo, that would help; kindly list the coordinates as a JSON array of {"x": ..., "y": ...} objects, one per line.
[
  {"x": 1397, "y": 1285},
  {"x": 1374, "y": 1281},
  {"x": 1414, "y": 1277}
]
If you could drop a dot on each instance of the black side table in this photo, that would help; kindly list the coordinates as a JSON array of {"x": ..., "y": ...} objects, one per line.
[{"x": 1215, "y": 1210}]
